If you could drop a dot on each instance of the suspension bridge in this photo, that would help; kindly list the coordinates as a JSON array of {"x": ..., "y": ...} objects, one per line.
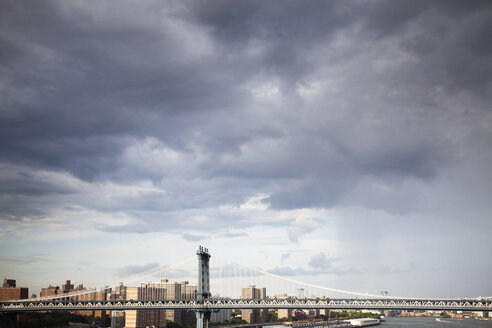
[{"x": 219, "y": 287}]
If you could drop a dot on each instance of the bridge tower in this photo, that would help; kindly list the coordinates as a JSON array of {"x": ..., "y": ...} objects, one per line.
[{"x": 203, "y": 293}]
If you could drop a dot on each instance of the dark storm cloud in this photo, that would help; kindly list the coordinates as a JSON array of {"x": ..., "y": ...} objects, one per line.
[
  {"x": 171, "y": 93},
  {"x": 86, "y": 86},
  {"x": 27, "y": 185}
]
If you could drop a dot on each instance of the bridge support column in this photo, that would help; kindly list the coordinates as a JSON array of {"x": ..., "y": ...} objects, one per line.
[
  {"x": 203, "y": 293},
  {"x": 199, "y": 319}
]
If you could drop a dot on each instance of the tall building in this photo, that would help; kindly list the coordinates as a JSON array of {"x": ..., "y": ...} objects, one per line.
[
  {"x": 255, "y": 315},
  {"x": 284, "y": 313},
  {"x": 137, "y": 319},
  {"x": 188, "y": 292},
  {"x": 67, "y": 287},
  {"x": 8, "y": 283},
  {"x": 91, "y": 295},
  {"x": 222, "y": 315},
  {"x": 119, "y": 292},
  {"x": 9, "y": 291},
  {"x": 159, "y": 291},
  {"x": 173, "y": 292},
  {"x": 117, "y": 319},
  {"x": 50, "y": 291}
]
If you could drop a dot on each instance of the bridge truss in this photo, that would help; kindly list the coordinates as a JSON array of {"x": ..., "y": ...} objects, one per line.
[{"x": 194, "y": 305}]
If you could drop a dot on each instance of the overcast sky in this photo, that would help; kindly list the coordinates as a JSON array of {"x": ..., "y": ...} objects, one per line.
[{"x": 346, "y": 143}]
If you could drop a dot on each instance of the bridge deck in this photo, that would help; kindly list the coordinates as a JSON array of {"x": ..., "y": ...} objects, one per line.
[{"x": 333, "y": 304}]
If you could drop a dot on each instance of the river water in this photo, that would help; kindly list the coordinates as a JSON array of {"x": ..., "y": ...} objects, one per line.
[
  {"x": 415, "y": 322},
  {"x": 399, "y": 322}
]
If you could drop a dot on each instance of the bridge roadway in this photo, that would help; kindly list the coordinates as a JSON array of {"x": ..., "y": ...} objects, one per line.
[{"x": 290, "y": 303}]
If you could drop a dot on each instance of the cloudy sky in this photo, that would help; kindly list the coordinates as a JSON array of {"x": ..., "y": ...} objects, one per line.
[{"x": 346, "y": 143}]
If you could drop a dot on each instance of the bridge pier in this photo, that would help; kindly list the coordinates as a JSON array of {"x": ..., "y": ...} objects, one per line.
[
  {"x": 203, "y": 293},
  {"x": 199, "y": 319},
  {"x": 8, "y": 320}
]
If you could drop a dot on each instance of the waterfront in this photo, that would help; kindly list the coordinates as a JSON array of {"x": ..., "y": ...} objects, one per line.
[{"x": 400, "y": 322}]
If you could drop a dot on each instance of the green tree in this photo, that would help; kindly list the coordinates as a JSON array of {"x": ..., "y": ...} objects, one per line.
[
  {"x": 52, "y": 319},
  {"x": 238, "y": 321},
  {"x": 272, "y": 316}
]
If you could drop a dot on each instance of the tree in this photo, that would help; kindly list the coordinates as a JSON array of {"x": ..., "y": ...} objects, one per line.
[
  {"x": 272, "y": 316},
  {"x": 238, "y": 321}
]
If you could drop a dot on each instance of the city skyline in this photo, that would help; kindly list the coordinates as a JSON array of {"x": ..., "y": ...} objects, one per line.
[{"x": 342, "y": 143}]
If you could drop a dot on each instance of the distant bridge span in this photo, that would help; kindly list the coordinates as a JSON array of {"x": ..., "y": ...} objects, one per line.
[
  {"x": 293, "y": 303},
  {"x": 205, "y": 302}
]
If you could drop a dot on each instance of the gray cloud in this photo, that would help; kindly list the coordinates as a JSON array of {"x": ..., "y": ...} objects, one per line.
[
  {"x": 298, "y": 271},
  {"x": 321, "y": 264},
  {"x": 321, "y": 261},
  {"x": 192, "y": 237},
  {"x": 22, "y": 259},
  {"x": 301, "y": 227},
  {"x": 134, "y": 269},
  {"x": 289, "y": 271},
  {"x": 284, "y": 257},
  {"x": 233, "y": 234}
]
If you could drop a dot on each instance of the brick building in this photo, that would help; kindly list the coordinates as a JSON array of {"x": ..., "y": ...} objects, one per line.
[
  {"x": 255, "y": 315},
  {"x": 86, "y": 295},
  {"x": 159, "y": 291},
  {"x": 9, "y": 291}
]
